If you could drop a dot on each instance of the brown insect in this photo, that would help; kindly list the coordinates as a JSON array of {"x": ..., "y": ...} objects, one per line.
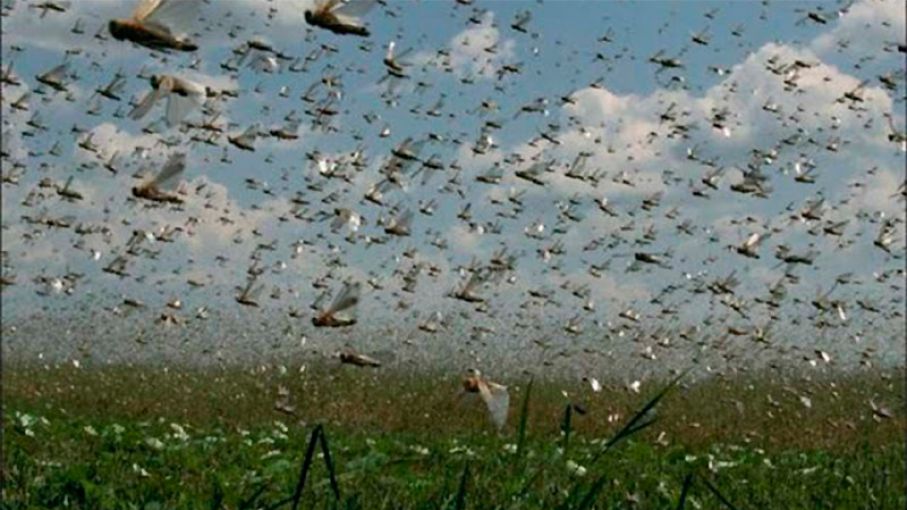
[
  {"x": 351, "y": 357},
  {"x": 183, "y": 96},
  {"x": 152, "y": 190},
  {"x": 332, "y": 316},
  {"x": 339, "y": 17},
  {"x": 494, "y": 395},
  {"x": 152, "y": 25}
]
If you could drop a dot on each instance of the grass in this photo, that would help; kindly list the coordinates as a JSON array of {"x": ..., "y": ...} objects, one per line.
[{"x": 132, "y": 437}]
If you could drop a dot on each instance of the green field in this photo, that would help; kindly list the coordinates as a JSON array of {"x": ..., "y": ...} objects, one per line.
[{"x": 143, "y": 438}]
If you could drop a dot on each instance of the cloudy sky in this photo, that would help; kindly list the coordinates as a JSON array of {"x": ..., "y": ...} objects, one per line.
[{"x": 764, "y": 83}]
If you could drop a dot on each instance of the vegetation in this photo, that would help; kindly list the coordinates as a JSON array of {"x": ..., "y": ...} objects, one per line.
[{"x": 128, "y": 437}]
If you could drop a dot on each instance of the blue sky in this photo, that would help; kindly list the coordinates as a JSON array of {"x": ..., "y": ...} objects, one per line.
[{"x": 557, "y": 58}]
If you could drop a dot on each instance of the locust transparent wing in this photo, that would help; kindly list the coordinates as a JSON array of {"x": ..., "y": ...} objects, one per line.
[
  {"x": 352, "y": 8},
  {"x": 523, "y": 19},
  {"x": 348, "y": 13},
  {"x": 6, "y": 144},
  {"x": 293, "y": 125},
  {"x": 253, "y": 131},
  {"x": 405, "y": 219},
  {"x": 117, "y": 85},
  {"x": 250, "y": 134},
  {"x": 263, "y": 63},
  {"x": 497, "y": 399},
  {"x": 163, "y": 88},
  {"x": 252, "y": 291},
  {"x": 322, "y": 298},
  {"x": 322, "y": 6},
  {"x": 537, "y": 169},
  {"x": 347, "y": 298},
  {"x": 172, "y": 16},
  {"x": 146, "y": 104},
  {"x": 385, "y": 356},
  {"x": 173, "y": 168},
  {"x": 413, "y": 148},
  {"x": 338, "y": 222},
  {"x": 475, "y": 281},
  {"x": 179, "y": 106},
  {"x": 403, "y": 57},
  {"x": 57, "y": 74},
  {"x": 144, "y": 8}
]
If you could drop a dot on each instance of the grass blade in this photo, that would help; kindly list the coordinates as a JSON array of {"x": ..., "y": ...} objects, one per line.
[
  {"x": 566, "y": 425},
  {"x": 529, "y": 483},
  {"x": 306, "y": 465},
  {"x": 460, "y": 502},
  {"x": 687, "y": 483},
  {"x": 217, "y": 496},
  {"x": 637, "y": 422},
  {"x": 524, "y": 418},
  {"x": 251, "y": 501},
  {"x": 589, "y": 498},
  {"x": 714, "y": 490},
  {"x": 326, "y": 451}
]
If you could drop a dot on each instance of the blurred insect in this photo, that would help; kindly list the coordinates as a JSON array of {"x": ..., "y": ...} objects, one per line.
[
  {"x": 155, "y": 24},
  {"x": 351, "y": 357},
  {"x": 248, "y": 296},
  {"x": 495, "y": 396},
  {"x": 183, "y": 96},
  {"x": 52, "y": 5},
  {"x": 347, "y": 299},
  {"x": 340, "y": 17},
  {"x": 246, "y": 140},
  {"x": 56, "y": 78},
  {"x": 153, "y": 189}
]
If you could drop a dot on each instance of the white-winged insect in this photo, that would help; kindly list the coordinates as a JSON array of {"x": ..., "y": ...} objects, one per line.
[
  {"x": 520, "y": 21},
  {"x": 9, "y": 77},
  {"x": 324, "y": 111},
  {"x": 494, "y": 395},
  {"x": 68, "y": 193},
  {"x": 534, "y": 173},
  {"x": 408, "y": 150},
  {"x": 248, "y": 295},
  {"x": 394, "y": 62},
  {"x": 289, "y": 131},
  {"x": 748, "y": 248},
  {"x": 468, "y": 291},
  {"x": 158, "y": 24},
  {"x": 344, "y": 217},
  {"x": 154, "y": 189},
  {"x": 350, "y": 356},
  {"x": 183, "y": 97},
  {"x": 246, "y": 140},
  {"x": 114, "y": 88},
  {"x": 593, "y": 383},
  {"x": 340, "y": 17},
  {"x": 400, "y": 225},
  {"x": 57, "y": 78},
  {"x": 887, "y": 236},
  {"x": 346, "y": 301}
]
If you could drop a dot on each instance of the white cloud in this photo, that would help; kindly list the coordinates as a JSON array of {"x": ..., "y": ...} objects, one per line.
[
  {"x": 866, "y": 28},
  {"x": 478, "y": 51}
]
